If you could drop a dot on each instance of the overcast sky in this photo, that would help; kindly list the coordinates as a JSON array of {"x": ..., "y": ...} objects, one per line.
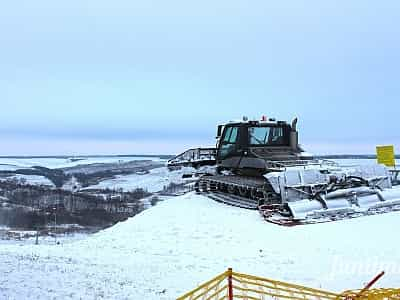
[{"x": 118, "y": 77}]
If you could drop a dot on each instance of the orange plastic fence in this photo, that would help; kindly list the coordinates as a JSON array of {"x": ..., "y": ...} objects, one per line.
[{"x": 232, "y": 285}]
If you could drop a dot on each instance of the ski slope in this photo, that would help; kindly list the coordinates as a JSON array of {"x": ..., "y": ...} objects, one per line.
[{"x": 170, "y": 248}]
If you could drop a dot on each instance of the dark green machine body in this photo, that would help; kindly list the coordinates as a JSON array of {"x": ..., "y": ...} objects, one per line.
[{"x": 258, "y": 147}]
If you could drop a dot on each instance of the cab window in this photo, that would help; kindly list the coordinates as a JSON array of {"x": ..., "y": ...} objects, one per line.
[{"x": 268, "y": 136}]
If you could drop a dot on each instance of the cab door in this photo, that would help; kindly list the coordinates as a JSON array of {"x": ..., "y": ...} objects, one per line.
[{"x": 228, "y": 142}]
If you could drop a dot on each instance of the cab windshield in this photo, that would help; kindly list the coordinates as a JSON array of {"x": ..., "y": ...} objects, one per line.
[{"x": 267, "y": 136}]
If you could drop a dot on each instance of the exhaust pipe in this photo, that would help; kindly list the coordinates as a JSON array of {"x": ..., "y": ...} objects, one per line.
[{"x": 294, "y": 136}]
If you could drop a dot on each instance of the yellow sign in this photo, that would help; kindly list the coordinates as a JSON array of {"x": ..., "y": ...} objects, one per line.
[{"x": 385, "y": 155}]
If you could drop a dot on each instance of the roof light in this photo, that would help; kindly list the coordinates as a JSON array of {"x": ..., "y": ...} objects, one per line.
[{"x": 264, "y": 118}]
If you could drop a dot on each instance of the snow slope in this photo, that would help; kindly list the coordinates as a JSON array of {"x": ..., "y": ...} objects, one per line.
[{"x": 170, "y": 248}]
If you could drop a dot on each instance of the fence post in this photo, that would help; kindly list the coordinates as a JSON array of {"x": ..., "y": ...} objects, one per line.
[
  {"x": 230, "y": 285},
  {"x": 371, "y": 283}
]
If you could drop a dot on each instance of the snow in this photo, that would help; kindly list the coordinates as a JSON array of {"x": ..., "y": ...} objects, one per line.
[
  {"x": 12, "y": 164},
  {"x": 357, "y": 162},
  {"x": 53, "y": 163},
  {"x": 24, "y": 237},
  {"x": 172, "y": 247},
  {"x": 31, "y": 179},
  {"x": 152, "y": 182},
  {"x": 6, "y": 167}
]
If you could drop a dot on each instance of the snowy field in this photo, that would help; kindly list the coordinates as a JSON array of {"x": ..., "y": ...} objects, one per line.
[
  {"x": 43, "y": 239},
  {"x": 160, "y": 177},
  {"x": 31, "y": 179},
  {"x": 170, "y": 248},
  {"x": 355, "y": 162},
  {"x": 153, "y": 182},
  {"x": 12, "y": 164},
  {"x": 53, "y": 163}
]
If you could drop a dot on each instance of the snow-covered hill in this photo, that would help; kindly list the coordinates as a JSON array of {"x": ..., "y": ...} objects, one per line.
[
  {"x": 170, "y": 248},
  {"x": 61, "y": 162},
  {"x": 153, "y": 182}
]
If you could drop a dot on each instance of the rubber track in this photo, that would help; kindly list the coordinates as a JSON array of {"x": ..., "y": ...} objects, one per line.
[{"x": 233, "y": 200}]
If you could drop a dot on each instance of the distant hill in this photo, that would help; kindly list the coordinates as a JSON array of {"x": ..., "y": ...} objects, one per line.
[{"x": 350, "y": 156}]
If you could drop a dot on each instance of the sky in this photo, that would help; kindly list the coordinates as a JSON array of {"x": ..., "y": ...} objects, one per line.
[{"x": 156, "y": 77}]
